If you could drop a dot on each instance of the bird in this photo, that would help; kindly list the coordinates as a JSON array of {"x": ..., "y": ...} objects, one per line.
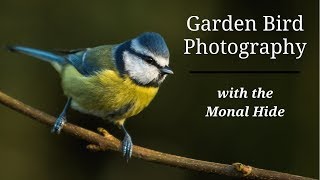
[{"x": 113, "y": 82}]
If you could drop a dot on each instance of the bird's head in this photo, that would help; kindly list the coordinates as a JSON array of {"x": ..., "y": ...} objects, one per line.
[{"x": 145, "y": 59}]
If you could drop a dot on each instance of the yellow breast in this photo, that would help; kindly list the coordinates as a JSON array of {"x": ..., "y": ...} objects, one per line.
[
  {"x": 126, "y": 91},
  {"x": 107, "y": 94}
]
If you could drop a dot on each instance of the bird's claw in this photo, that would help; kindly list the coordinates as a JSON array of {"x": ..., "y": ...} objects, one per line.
[
  {"x": 58, "y": 124},
  {"x": 127, "y": 147}
]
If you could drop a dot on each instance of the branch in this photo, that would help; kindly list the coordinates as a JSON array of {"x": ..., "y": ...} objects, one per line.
[{"x": 109, "y": 142}]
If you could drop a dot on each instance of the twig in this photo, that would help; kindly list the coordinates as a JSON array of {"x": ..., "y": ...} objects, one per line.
[{"x": 109, "y": 142}]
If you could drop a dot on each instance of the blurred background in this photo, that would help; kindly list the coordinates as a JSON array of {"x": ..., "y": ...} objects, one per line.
[{"x": 174, "y": 122}]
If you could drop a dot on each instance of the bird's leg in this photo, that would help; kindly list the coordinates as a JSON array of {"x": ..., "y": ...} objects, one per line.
[
  {"x": 126, "y": 144},
  {"x": 62, "y": 118}
]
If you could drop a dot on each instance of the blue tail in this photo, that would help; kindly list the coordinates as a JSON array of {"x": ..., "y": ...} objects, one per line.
[{"x": 37, "y": 53}]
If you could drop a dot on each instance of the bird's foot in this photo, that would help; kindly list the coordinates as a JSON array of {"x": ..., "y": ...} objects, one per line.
[
  {"x": 61, "y": 120},
  {"x": 127, "y": 144},
  {"x": 127, "y": 147}
]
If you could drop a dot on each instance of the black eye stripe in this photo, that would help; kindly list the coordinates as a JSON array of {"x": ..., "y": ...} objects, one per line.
[{"x": 145, "y": 58}]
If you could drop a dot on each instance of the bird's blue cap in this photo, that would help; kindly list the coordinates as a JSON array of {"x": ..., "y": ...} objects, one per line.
[{"x": 155, "y": 43}]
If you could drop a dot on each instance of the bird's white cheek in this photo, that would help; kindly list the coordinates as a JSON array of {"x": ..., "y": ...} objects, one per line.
[{"x": 139, "y": 69}]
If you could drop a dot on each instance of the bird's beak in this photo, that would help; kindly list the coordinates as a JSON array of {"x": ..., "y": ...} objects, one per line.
[{"x": 166, "y": 70}]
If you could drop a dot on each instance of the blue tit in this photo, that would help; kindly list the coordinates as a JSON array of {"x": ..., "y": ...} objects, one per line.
[{"x": 113, "y": 82}]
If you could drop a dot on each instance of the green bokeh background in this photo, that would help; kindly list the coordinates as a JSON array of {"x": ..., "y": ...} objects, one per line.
[{"x": 174, "y": 122}]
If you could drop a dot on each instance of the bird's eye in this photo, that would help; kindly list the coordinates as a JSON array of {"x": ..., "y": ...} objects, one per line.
[{"x": 149, "y": 59}]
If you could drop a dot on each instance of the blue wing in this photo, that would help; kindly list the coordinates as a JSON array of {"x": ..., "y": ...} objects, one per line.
[
  {"x": 92, "y": 60},
  {"x": 82, "y": 63}
]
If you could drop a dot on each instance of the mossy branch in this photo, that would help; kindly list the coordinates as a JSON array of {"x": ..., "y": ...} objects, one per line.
[{"x": 108, "y": 142}]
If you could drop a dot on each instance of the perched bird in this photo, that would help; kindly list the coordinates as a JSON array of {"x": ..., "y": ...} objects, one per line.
[{"x": 113, "y": 82}]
